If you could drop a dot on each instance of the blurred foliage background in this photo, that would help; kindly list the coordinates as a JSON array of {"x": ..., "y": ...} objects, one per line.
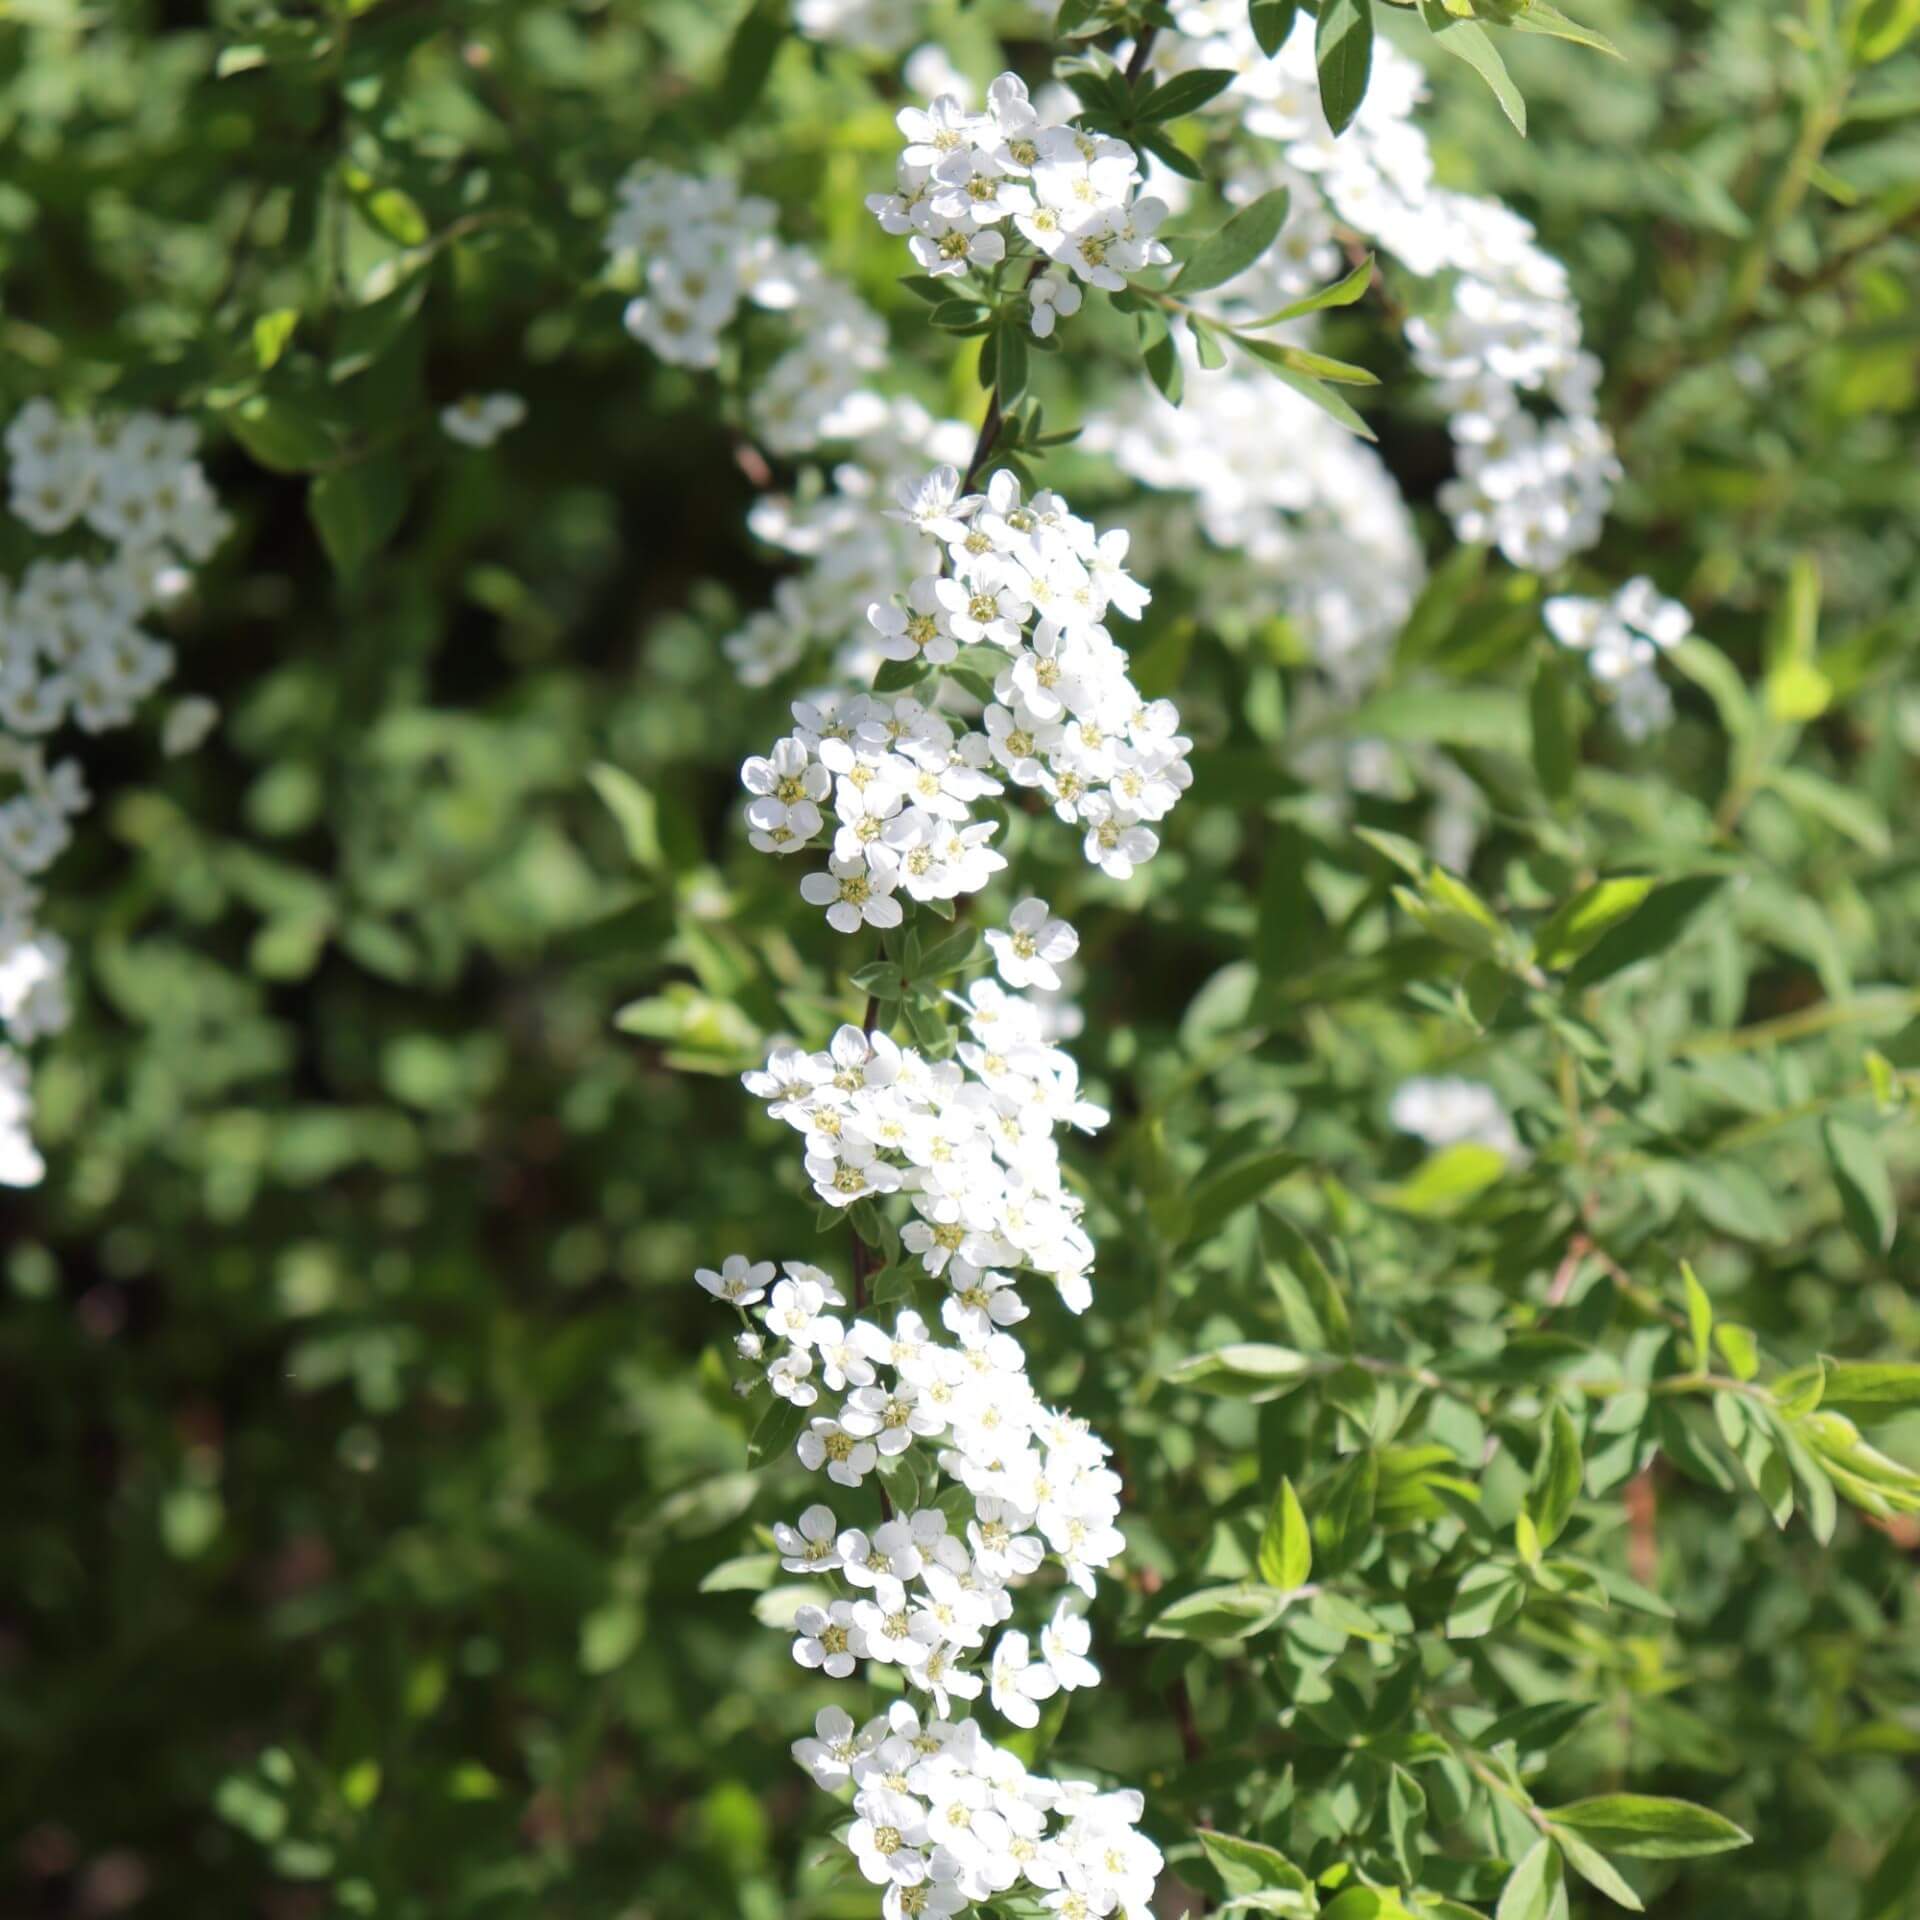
[{"x": 364, "y": 1452}]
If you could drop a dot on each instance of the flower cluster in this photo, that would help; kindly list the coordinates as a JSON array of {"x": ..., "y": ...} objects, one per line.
[
  {"x": 1026, "y": 585},
  {"x": 1325, "y": 530},
  {"x": 1623, "y": 639},
  {"x": 966, "y": 180},
  {"x": 943, "y": 1816},
  {"x": 72, "y": 649},
  {"x": 1501, "y": 337},
  {"x": 701, "y": 248},
  {"x": 853, "y": 552}
]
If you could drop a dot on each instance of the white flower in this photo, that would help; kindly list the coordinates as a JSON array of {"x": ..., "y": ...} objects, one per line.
[
  {"x": 480, "y": 419},
  {"x": 886, "y": 1839},
  {"x": 829, "y": 1755},
  {"x": 853, "y": 893},
  {"x": 1064, "y": 1642},
  {"x": 1053, "y": 297},
  {"x": 1018, "y": 1683},
  {"x": 1029, "y": 950},
  {"x": 740, "y": 1282},
  {"x": 828, "y": 1638},
  {"x": 1115, "y": 841},
  {"x": 847, "y": 1457},
  {"x": 812, "y": 1546}
]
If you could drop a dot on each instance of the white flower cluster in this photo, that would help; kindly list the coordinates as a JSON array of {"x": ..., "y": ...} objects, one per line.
[
  {"x": 1324, "y": 530},
  {"x": 965, "y": 178},
  {"x": 1623, "y": 639},
  {"x": 1447, "y": 1111},
  {"x": 854, "y": 552},
  {"x": 1505, "y": 342},
  {"x": 1030, "y": 581},
  {"x": 943, "y": 1816},
  {"x": 72, "y": 649},
  {"x": 701, "y": 247}
]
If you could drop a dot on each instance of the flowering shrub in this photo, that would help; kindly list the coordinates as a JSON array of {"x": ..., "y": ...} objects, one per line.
[{"x": 1250, "y": 666}]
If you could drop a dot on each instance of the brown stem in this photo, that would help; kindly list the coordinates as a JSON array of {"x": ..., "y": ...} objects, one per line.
[{"x": 1142, "y": 53}]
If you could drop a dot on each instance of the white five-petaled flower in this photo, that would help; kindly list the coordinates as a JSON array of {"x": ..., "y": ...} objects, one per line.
[{"x": 1029, "y": 950}]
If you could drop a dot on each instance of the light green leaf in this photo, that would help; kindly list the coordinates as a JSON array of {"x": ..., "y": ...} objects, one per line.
[
  {"x": 1286, "y": 1546},
  {"x": 1243, "y": 1370},
  {"x": 1588, "y": 917},
  {"x": 1467, "y": 41},
  {"x": 1532, "y": 1885},
  {"x": 1648, "y": 1827}
]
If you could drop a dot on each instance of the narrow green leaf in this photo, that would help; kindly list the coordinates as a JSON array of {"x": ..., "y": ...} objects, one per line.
[
  {"x": 1185, "y": 93},
  {"x": 1866, "y": 1189},
  {"x": 1343, "y": 293},
  {"x": 1649, "y": 1828},
  {"x": 1558, "y": 1485},
  {"x": 1531, "y": 1886},
  {"x": 1343, "y": 54},
  {"x": 1699, "y": 1317},
  {"x": 1597, "y": 1870},
  {"x": 1468, "y": 41}
]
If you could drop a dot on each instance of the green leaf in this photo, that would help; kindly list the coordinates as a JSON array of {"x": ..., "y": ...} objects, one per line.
[
  {"x": 1324, "y": 397},
  {"x": 1553, "y": 705},
  {"x": 1248, "y": 1866},
  {"x": 635, "y": 810},
  {"x": 271, "y": 332},
  {"x": 1539, "y": 17},
  {"x": 1272, "y": 21},
  {"x": 1888, "y": 1895},
  {"x": 1533, "y": 1884},
  {"x": 1343, "y": 293},
  {"x": 1445, "y": 1181},
  {"x": 1343, "y": 53},
  {"x": 1233, "y": 248},
  {"x": 1219, "y": 1613},
  {"x": 1488, "y": 1596},
  {"x": 1659, "y": 922},
  {"x": 1558, "y": 1484},
  {"x": 1649, "y": 1828},
  {"x": 1219, "y": 1196},
  {"x": 1161, "y": 357},
  {"x": 1286, "y": 1247},
  {"x": 1699, "y": 1317},
  {"x": 1243, "y": 1369},
  {"x": 1867, "y": 1391},
  {"x": 282, "y": 435},
  {"x": 750, "y": 56},
  {"x": 1343, "y": 1512},
  {"x": 1597, "y": 1870},
  {"x": 1866, "y": 1189},
  {"x": 1588, "y": 917},
  {"x": 775, "y": 1432},
  {"x": 1185, "y": 93},
  {"x": 358, "y": 509},
  {"x": 1468, "y": 41},
  {"x": 1286, "y": 1547}
]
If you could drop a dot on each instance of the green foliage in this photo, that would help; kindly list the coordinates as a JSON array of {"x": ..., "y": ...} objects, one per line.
[{"x": 1518, "y": 1533}]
